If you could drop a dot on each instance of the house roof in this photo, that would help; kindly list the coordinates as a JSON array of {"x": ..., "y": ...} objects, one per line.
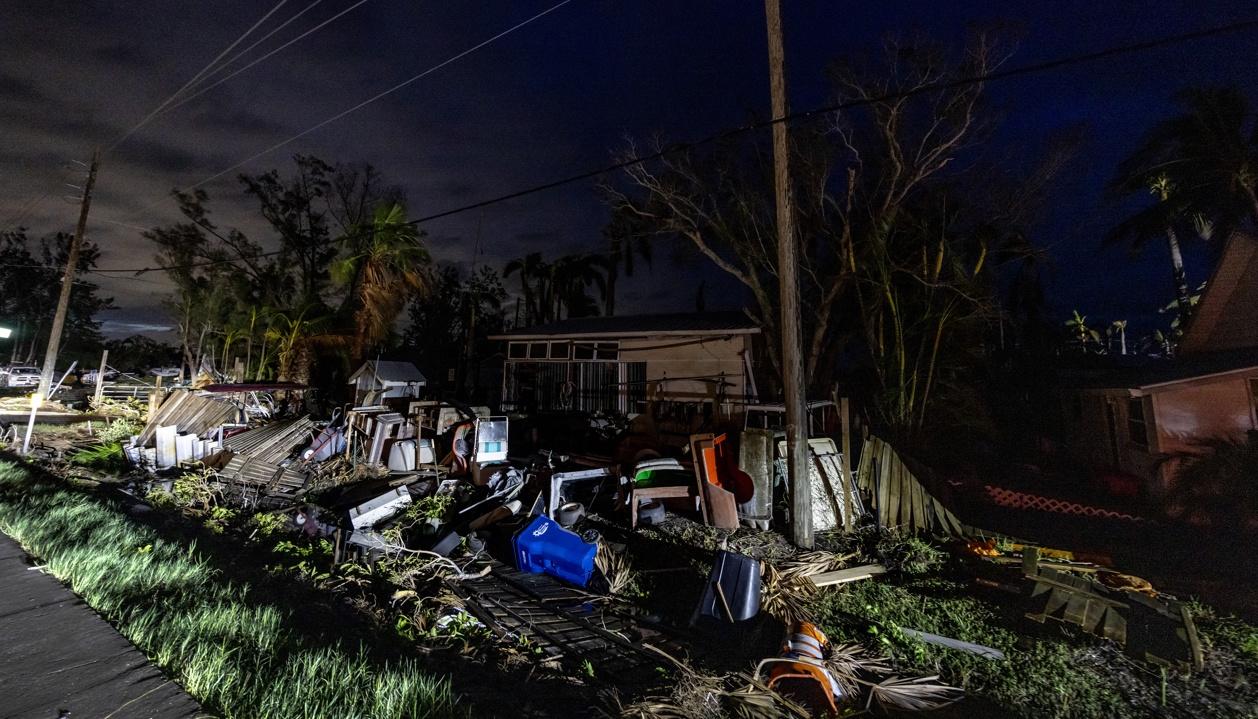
[
  {"x": 688, "y": 323},
  {"x": 1226, "y": 318},
  {"x": 1149, "y": 373},
  {"x": 390, "y": 372}
]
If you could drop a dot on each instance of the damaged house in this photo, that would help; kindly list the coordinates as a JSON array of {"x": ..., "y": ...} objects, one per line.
[
  {"x": 1135, "y": 420},
  {"x": 621, "y": 364}
]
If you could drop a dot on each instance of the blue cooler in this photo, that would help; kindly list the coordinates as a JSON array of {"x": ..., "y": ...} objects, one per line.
[{"x": 544, "y": 546}]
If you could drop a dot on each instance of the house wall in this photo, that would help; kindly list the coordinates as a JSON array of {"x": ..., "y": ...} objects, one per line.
[
  {"x": 1107, "y": 448},
  {"x": 691, "y": 369},
  {"x": 1203, "y": 409},
  {"x": 1175, "y": 416},
  {"x": 672, "y": 368}
]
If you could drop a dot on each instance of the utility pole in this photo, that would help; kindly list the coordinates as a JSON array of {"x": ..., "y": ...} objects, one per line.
[
  {"x": 788, "y": 295},
  {"x": 67, "y": 282}
]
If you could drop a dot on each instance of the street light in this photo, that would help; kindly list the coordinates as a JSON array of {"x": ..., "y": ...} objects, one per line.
[{"x": 5, "y": 333}]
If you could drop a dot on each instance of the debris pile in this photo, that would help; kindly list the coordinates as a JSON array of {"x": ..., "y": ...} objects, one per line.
[{"x": 610, "y": 571}]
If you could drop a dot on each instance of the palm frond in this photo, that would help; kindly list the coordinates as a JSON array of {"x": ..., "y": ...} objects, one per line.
[{"x": 916, "y": 694}]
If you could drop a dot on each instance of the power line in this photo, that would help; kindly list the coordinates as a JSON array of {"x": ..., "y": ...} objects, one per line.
[
  {"x": 375, "y": 97},
  {"x": 759, "y": 125},
  {"x": 226, "y": 63},
  {"x": 149, "y": 117},
  {"x": 224, "y": 79}
]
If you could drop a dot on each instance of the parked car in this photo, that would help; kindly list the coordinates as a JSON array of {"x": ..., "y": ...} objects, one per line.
[
  {"x": 23, "y": 377},
  {"x": 164, "y": 371}
]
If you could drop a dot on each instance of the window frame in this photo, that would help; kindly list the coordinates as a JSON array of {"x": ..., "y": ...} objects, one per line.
[{"x": 1140, "y": 439}]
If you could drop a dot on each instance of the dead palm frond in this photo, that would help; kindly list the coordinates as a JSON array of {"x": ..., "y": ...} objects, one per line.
[
  {"x": 785, "y": 587},
  {"x": 616, "y": 566},
  {"x": 915, "y": 694},
  {"x": 852, "y": 664},
  {"x": 757, "y": 702}
]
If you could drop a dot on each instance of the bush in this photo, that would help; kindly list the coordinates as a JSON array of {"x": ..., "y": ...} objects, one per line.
[
  {"x": 118, "y": 431},
  {"x": 908, "y": 554},
  {"x": 106, "y": 457}
]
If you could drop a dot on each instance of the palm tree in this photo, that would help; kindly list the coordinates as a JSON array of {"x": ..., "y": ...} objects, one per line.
[
  {"x": 571, "y": 276},
  {"x": 534, "y": 277},
  {"x": 381, "y": 273},
  {"x": 1202, "y": 166},
  {"x": 627, "y": 239}
]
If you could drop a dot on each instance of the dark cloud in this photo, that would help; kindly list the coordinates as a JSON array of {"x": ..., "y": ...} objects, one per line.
[
  {"x": 557, "y": 97},
  {"x": 15, "y": 89},
  {"x": 120, "y": 55}
]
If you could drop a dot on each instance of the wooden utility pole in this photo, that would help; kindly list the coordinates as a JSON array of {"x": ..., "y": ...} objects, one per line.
[
  {"x": 788, "y": 295},
  {"x": 67, "y": 281}
]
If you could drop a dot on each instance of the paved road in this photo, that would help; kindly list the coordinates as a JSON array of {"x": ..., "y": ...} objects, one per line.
[{"x": 60, "y": 660}]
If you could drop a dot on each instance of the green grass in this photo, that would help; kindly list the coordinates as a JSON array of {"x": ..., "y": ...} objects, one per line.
[
  {"x": 1041, "y": 678},
  {"x": 235, "y": 650}
]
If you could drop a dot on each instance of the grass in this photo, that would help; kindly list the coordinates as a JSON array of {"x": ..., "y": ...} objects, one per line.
[
  {"x": 235, "y": 650},
  {"x": 1042, "y": 678},
  {"x": 1050, "y": 671}
]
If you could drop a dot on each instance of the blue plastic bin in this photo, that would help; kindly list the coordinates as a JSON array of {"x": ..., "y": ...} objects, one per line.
[{"x": 545, "y": 547}]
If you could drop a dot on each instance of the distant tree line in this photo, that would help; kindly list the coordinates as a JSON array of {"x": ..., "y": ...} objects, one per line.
[{"x": 30, "y": 283}]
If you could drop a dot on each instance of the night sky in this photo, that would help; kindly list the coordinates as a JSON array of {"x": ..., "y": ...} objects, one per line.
[{"x": 553, "y": 98}]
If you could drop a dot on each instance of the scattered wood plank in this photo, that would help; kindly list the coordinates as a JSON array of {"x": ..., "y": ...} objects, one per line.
[
  {"x": 843, "y": 576},
  {"x": 979, "y": 649}
]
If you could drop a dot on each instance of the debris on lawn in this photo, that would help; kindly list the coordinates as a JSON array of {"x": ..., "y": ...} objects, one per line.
[{"x": 653, "y": 579}]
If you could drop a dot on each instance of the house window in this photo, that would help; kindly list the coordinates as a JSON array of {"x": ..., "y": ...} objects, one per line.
[
  {"x": 1137, "y": 427},
  {"x": 601, "y": 351},
  {"x": 559, "y": 350},
  {"x": 538, "y": 350},
  {"x": 517, "y": 350}
]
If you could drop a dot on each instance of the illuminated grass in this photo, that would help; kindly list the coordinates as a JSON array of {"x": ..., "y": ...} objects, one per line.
[{"x": 237, "y": 654}]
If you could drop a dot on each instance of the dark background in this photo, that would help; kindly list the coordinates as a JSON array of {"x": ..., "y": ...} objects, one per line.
[{"x": 556, "y": 97}]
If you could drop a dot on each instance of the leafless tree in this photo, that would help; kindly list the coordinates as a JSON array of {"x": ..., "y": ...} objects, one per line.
[{"x": 893, "y": 254}]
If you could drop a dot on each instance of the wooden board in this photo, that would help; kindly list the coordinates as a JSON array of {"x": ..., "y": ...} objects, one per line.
[
  {"x": 852, "y": 574},
  {"x": 722, "y": 509}
]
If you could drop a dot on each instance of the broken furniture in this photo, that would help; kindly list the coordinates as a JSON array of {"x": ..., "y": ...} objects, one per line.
[
  {"x": 582, "y": 486},
  {"x": 719, "y": 508},
  {"x": 732, "y": 592},
  {"x": 407, "y": 455},
  {"x": 655, "y": 480},
  {"x": 364, "y": 518},
  {"x": 545, "y": 547},
  {"x": 1147, "y": 628}
]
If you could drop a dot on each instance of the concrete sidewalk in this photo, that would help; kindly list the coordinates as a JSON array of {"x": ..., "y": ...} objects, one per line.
[{"x": 60, "y": 660}]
